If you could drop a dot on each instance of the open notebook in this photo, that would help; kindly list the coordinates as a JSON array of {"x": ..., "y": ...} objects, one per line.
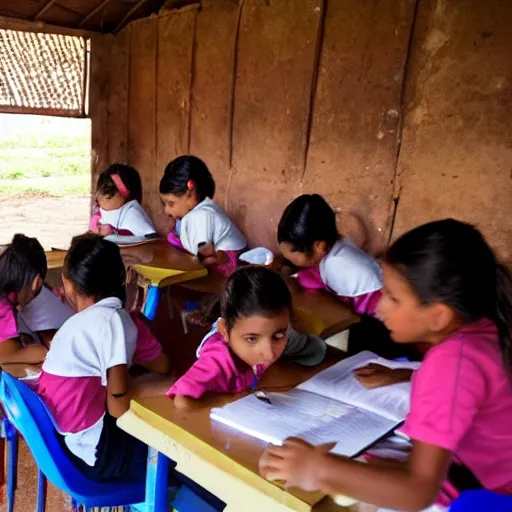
[{"x": 330, "y": 407}]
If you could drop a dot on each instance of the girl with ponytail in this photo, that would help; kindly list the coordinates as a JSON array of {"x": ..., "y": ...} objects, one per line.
[{"x": 444, "y": 286}]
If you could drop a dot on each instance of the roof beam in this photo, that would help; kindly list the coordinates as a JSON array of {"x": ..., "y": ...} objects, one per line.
[
  {"x": 45, "y": 7},
  {"x": 128, "y": 15},
  {"x": 101, "y": 6}
]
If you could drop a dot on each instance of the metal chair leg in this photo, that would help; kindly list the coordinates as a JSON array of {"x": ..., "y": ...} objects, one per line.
[{"x": 42, "y": 486}]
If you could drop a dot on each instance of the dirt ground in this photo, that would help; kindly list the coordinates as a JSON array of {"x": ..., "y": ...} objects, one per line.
[{"x": 53, "y": 220}]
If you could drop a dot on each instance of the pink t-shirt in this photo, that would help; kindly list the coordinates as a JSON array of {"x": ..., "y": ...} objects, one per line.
[
  {"x": 215, "y": 371},
  {"x": 461, "y": 400},
  {"x": 148, "y": 348},
  {"x": 8, "y": 325}
]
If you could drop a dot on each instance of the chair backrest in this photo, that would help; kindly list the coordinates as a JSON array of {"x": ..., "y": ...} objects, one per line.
[
  {"x": 29, "y": 415},
  {"x": 480, "y": 501}
]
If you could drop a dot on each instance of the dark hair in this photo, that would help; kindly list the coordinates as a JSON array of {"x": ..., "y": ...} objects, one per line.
[
  {"x": 250, "y": 290},
  {"x": 95, "y": 267},
  {"x": 129, "y": 176},
  {"x": 306, "y": 220},
  {"x": 187, "y": 168},
  {"x": 20, "y": 263},
  {"x": 449, "y": 261}
]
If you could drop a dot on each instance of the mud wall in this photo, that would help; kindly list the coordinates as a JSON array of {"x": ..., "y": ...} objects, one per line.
[{"x": 400, "y": 109}]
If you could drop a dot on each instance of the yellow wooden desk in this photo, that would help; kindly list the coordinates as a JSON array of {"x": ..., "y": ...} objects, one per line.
[
  {"x": 156, "y": 262},
  {"x": 314, "y": 311},
  {"x": 222, "y": 460}
]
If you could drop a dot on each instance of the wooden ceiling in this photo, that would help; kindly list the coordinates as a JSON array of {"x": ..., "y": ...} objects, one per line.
[{"x": 107, "y": 16}]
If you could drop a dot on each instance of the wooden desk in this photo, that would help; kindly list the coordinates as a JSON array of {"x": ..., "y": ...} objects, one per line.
[
  {"x": 220, "y": 459},
  {"x": 157, "y": 262},
  {"x": 314, "y": 311}
]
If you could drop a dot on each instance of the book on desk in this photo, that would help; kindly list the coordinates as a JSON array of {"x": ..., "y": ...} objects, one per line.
[{"x": 330, "y": 407}]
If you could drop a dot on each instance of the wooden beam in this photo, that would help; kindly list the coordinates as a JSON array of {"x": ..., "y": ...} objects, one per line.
[
  {"x": 41, "y": 27},
  {"x": 94, "y": 12},
  {"x": 128, "y": 16},
  {"x": 45, "y": 7},
  {"x": 7, "y": 109}
]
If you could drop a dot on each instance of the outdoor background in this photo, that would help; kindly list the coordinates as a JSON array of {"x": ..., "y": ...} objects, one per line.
[{"x": 44, "y": 177}]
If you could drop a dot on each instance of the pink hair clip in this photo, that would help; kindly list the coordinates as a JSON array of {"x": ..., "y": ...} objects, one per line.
[{"x": 121, "y": 187}]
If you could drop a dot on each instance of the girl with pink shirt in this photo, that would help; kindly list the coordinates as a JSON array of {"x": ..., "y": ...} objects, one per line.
[
  {"x": 84, "y": 379},
  {"x": 23, "y": 268},
  {"x": 443, "y": 286},
  {"x": 202, "y": 227},
  {"x": 119, "y": 210},
  {"x": 250, "y": 334},
  {"x": 309, "y": 239}
]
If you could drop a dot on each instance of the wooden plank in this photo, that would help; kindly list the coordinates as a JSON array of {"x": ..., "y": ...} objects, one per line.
[
  {"x": 354, "y": 135},
  {"x": 212, "y": 92},
  {"x": 58, "y": 112},
  {"x": 275, "y": 69},
  {"x": 456, "y": 150},
  {"x": 174, "y": 65},
  {"x": 99, "y": 84},
  {"x": 41, "y": 27},
  {"x": 118, "y": 98},
  {"x": 142, "y": 111}
]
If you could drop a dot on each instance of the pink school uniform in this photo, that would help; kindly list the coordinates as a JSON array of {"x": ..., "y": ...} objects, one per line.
[
  {"x": 73, "y": 380},
  {"x": 215, "y": 371},
  {"x": 461, "y": 400},
  {"x": 8, "y": 324},
  {"x": 207, "y": 222},
  {"x": 354, "y": 276}
]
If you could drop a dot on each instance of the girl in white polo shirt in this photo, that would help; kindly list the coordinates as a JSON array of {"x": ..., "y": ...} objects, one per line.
[
  {"x": 203, "y": 228},
  {"x": 84, "y": 379}
]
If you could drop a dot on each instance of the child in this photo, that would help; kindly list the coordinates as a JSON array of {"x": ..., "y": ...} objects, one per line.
[
  {"x": 309, "y": 239},
  {"x": 119, "y": 194},
  {"x": 248, "y": 337},
  {"x": 23, "y": 269},
  {"x": 443, "y": 285},
  {"x": 84, "y": 379},
  {"x": 187, "y": 190}
]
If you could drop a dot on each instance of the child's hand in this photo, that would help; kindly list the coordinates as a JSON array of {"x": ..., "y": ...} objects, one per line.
[
  {"x": 296, "y": 463},
  {"x": 207, "y": 254},
  {"x": 105, "y": 230},
  {"x": 376, "y": 376},
  {"x": 59, "y": 292}
]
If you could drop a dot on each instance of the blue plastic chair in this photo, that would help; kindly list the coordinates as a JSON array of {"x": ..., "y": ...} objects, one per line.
[
  {"x": 480, "y": 501},
  {"x": 29, "y": 416}
]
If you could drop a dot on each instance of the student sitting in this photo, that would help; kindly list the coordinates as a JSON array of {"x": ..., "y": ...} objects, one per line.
[
  {"x": 119, "y": 197},
  {"x": 23, "y": 269},
  {"x": 442, "y": 285},
  {"x": 84, "y": 379},
  {"x": 187, "y": 190}
]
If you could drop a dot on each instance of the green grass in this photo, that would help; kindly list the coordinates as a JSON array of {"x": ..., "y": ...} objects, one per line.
[{"x": 35, "y": 151}]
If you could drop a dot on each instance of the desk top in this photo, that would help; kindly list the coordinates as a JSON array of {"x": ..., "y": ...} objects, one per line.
[
  {"x": 225, "y": 449},
  {"x": 158, "y": 261},
  {"x": 315, "y": 311}
]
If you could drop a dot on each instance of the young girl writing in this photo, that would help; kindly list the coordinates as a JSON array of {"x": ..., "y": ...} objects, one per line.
[
  {"x": 442, "y": 285},
  {"x": 119, "y": 196},
  {"x": 23, "y": 269},
  {"x": 84, "y": 379},
  {"x": 187, "y": 190},
  {"x": 308, "y": 238},
  {"x": 248, "y": 337}
]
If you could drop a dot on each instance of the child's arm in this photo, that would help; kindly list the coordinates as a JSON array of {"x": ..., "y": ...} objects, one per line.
[
  {"x": 158, "y": 365},
  {"x": 410, "y": 486},
  {"x": 12, "y": 351},
  {"x": 118, "y": 392}
]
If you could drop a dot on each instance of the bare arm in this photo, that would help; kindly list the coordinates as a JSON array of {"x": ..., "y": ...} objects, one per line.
[
  {"x": 158, "y": 365},
  {"x": 118, "y": 392},
  {"x": 12, "y": 351},
  {"x": 411, "y": 486}
]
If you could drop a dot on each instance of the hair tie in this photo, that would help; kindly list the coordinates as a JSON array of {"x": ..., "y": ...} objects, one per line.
[
  {"x": 190, "y": 184},
  {"x": 121, "y": 187}
]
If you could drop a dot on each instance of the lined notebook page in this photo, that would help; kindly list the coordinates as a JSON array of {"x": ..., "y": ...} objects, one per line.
[
  {"x": 315, "y": 418},
  {"x": 339, "y": 383}
]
